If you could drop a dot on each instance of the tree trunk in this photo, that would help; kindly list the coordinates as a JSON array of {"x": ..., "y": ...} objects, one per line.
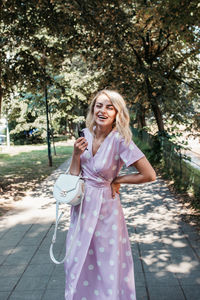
[
  {"x": 157, "y": 113},
  {"x": 141, "y": 117},
  {"x": 1, "y": 98},
  {"x": 155, "y": 107}
]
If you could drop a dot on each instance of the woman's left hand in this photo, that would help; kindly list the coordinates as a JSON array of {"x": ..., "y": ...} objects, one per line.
[{"x": 115, "y": 188}]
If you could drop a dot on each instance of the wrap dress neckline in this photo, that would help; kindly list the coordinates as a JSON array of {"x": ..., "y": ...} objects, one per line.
[{"x": 101, "y": 145}]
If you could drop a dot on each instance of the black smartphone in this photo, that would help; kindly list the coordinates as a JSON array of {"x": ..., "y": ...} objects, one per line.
[{"x": 80, "y": 133}]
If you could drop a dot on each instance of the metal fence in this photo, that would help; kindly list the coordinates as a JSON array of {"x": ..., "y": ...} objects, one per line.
[{"x": 173, "y": 162}]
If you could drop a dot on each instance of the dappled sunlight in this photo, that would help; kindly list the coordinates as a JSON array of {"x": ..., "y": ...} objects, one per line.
[
  {"x": 156, "y": 228},
  {"x": 183, "y": 267}
]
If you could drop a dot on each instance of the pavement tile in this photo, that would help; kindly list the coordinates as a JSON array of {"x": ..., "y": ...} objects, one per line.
[
  {"x": 139, "y": 279},
  {"x": 56, "y": 282},
  {"x": 26, "y": 295},
  {"x": 141, "y": 293},
  {"x": 32, "y": 283},
  {"x": 11, "y": 271},
  {"x": 20, "y": 256},
  {"x": 161, "y": 278},
  {"x": 165, "y": 293},
  {"x": 31, "y": 241},
  {"x": 190, "y": 278},
  {"x": 54, "y": 294},
  {"x": 7, "y": 283},
  {"x": 38, "y": 270},
  {"x": 137, "y": 265},
  {"x": 41, "y": 258},
  {"x": 4, "y": 295},
  {"x": 192, "y": 292}
]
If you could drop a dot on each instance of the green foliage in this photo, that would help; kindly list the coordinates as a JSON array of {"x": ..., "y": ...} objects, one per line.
[{"x": 148, "y": 50}]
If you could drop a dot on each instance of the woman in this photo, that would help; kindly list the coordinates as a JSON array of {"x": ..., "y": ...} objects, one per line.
[{"x": 100, "y": 265}]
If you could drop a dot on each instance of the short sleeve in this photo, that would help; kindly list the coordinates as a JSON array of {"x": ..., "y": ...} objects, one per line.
[{"x": 129, "y": 153}]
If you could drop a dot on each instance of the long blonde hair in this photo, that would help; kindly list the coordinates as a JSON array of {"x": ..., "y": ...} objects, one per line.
[{"x": 122, "y": 117}]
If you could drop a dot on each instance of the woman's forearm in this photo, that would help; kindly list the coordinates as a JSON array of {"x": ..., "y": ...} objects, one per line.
[
  {"x": 75, "y": 165},
  {"x": 133, "y": 179}
]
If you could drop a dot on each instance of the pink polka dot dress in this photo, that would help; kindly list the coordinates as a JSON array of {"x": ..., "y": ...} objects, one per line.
[{"x": 100, "y": 265}]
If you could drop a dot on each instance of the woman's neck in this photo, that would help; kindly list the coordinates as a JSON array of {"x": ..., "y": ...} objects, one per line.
[{"x": 101, "y": 132}]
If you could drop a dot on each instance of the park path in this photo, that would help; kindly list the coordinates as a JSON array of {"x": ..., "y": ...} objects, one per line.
[{"x": 165, "y": 249}]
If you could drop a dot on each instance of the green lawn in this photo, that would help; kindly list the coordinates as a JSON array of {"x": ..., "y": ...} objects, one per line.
[{"x": 27, "y": 166}]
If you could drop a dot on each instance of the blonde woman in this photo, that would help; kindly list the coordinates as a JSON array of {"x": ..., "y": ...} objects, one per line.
[{"x": 101, "y": 265}]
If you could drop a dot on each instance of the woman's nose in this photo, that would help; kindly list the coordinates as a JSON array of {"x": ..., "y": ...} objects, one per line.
[{"x": 103, "y": 108}]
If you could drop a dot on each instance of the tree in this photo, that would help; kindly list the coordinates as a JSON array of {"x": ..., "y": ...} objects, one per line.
[{"x": 148, "y": 50}]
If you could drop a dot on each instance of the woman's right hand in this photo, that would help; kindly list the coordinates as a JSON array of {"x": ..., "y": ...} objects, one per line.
[{"x": 80, "y": 146}]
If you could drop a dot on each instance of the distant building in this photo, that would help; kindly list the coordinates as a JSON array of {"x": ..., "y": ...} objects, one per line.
[{"x": 4, "y": 132}]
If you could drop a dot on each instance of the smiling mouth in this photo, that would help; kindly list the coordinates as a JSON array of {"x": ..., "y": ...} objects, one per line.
[{"x": 102, "y": 117}]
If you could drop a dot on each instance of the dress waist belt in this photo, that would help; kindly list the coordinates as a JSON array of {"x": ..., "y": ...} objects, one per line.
[{"x": 96, "y": 182}]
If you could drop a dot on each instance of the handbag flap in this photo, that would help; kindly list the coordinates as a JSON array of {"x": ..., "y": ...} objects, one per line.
[{"x": 67, "y": 182}]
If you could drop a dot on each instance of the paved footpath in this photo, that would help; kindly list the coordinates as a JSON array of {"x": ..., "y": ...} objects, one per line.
[{"x": 165, "y": 249}]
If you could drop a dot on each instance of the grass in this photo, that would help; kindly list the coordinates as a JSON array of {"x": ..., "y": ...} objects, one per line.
[{"x": 26, "y": 166}]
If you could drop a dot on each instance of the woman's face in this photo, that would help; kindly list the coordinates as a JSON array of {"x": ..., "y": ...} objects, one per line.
[{"x": 104, "y": 111}]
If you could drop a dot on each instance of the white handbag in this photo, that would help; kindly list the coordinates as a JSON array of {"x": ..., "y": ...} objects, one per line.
[{"x": 68, "y": 189}]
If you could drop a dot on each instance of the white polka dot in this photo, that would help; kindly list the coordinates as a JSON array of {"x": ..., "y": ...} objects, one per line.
[
  {"x": 85, "y": 283},
  {"x": 90, "y": 229},
  {"x": 111, "y": 262},
  {"x": 72, "y": 276},
  {"x": 116, "y": 157},
  {"x": 116, "y": 212},
  {"x": 118, "y": 252},
  {"x": 79, "y": 243},
  {"x": 111, "y": 277},
  {"x": 110, "y": 291},
  {"x": 76, "y": 259},
  {"x": 99, "y": 179},
  {"x": 101, "y": 217},
  {"x": 132, "y": 296},
  {"x": 111, "y": 241},
  {"x": 123, "y": 241},
  {"x": 95, "y": 213},
  {"x": 98, "y": 277},
  {"x": 97, "y": 233},
  {"x": 123, "y": 265},
  {"x": 114, "y": 168},
  {"x": 101, "y": 249},
  {"x": 83, "y": 216},
  {"x": 131, "y": 147},
  {"x": 96, "y": 292},
  {"x": 99, "y": 263},
  {"x": 114, "y": 227},
  {"x": 104, "y": 161},
  {"x": 126, "y": 279},
  {"x": 87, "y": 154},
  {"x": 88, "y": 198},
  {"x": 91, "y": 252},
  {"x": 91, "y": 267},
  {"x": 109, "y": 147},
  {"x": 128, "y": 253}
]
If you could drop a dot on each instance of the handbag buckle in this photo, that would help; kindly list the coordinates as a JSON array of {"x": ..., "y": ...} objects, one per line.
[{"x": 63, "y": 193}]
